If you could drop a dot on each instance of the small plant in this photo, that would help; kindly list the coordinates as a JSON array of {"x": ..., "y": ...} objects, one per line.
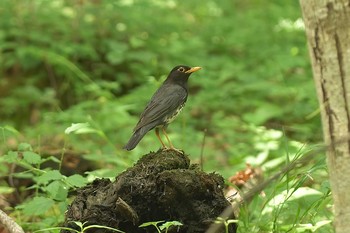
[
  {"x": 49, "y": 186},
  {"x": 162, "y": 228},
  {"x": 82, "y": 228},
  {"x": 226, "y": 222}
]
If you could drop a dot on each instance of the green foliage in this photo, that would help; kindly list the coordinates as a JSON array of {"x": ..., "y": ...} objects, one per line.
[
  {"x": 37, "y": 206},
  {"x": 82, "y": 228},
  {"x": 164, "y": 227},
  {"x": 75, "y": 75},
  {"x": 226, "y": 222},
  {"x": 290, "y": 205},
  {"x": 50, "y": 187}
]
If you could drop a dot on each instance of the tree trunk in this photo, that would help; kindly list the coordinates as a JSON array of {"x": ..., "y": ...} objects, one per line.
[{"x": 327, "y": 24}]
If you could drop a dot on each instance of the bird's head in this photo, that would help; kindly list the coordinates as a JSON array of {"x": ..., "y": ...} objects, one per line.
[{"x": 181, "y": 73}]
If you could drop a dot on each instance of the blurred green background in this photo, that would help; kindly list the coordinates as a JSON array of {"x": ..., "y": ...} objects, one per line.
[{"x": 99, "y": 62}]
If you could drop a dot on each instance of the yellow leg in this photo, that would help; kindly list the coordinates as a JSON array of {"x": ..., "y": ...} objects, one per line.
[
  {"x": 171, "y": 145},
  {"x": 157, "y": 133},
  {"x": 167, "y": 138}
]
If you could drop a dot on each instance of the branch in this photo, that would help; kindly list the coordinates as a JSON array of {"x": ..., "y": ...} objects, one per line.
[{"x": 8, "y": 222}]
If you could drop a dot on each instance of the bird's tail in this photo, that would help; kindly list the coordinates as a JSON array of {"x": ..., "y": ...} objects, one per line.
[{"x": 135, "y": 139}]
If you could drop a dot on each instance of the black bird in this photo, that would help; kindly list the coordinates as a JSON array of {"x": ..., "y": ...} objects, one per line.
[{"x": 165, "y": 104}]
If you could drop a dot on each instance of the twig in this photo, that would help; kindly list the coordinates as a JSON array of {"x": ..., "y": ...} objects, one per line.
[
  {"x": 202, "y": 148},
  {"x": 11, "y": 225}
]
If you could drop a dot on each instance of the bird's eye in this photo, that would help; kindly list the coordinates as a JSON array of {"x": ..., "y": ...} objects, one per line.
[{"x": 181, "y": 69}]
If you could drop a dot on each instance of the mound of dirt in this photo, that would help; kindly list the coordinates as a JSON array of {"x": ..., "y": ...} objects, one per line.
[{"x": 160, "y": 186}]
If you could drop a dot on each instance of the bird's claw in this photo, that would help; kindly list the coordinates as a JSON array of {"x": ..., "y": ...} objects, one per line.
[{"x": 174, "y": 149}]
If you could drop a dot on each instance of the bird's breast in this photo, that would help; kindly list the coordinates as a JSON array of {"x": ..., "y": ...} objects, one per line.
[{"x": 174, "y": 114}]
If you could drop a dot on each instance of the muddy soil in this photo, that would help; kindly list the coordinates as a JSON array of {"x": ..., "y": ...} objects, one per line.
[{"x": 160, "y": 186}]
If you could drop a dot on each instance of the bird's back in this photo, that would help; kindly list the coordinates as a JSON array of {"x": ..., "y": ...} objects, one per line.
[{"x": 164, "y": 103}]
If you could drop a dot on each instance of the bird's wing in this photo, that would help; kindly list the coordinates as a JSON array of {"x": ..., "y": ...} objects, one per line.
[{"x": 166, "y": 100}]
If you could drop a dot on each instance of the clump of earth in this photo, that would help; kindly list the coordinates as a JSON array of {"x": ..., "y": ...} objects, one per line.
[{"x": 161, "y": 186}]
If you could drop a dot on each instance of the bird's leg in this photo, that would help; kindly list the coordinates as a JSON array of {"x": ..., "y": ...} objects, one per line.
[
  {"x": 171, "y": 145},
  {"x": 157, "y": 133},
  {"x": 167, "y": 138}
]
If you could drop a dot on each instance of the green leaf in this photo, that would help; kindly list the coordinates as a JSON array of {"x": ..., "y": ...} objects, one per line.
[
  {"x": 117, "y": 52},
  {"x": 80, "y": 128},
  {"x": 166, "y": 225},
  {"x": 48, "y": 176},
  {"x": 6, "y": 190},
  {"x": 76, "y": 126},
  {"x": 79, "y": 224},
  {"x": 305, "y": 192},
  {"x": 101, "y": 227},
  {"x": 10, "y": 157},
  {"x": 262, "y": 114},
  {"x": 311, "y": 227},
  {"x": 76, "y": 180},
  {"x": 37, "y": 206},
  {"x": 62, "y": 206},
  {"x": 51, "y": 158},
  {"x": 11, "y": 129},
  {"x": 146, "y": 224},
  {"x": 57, "y": 190},
  {"x": 31, "y": 157},
  {"x": 25, "y": 147}
]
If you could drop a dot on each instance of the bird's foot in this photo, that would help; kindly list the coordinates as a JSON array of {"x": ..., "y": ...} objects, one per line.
[{"x": 174, "y": 149}]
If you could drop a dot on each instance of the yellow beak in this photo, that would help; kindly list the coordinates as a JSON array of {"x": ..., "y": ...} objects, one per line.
[{"x": 193, "y": 69}]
